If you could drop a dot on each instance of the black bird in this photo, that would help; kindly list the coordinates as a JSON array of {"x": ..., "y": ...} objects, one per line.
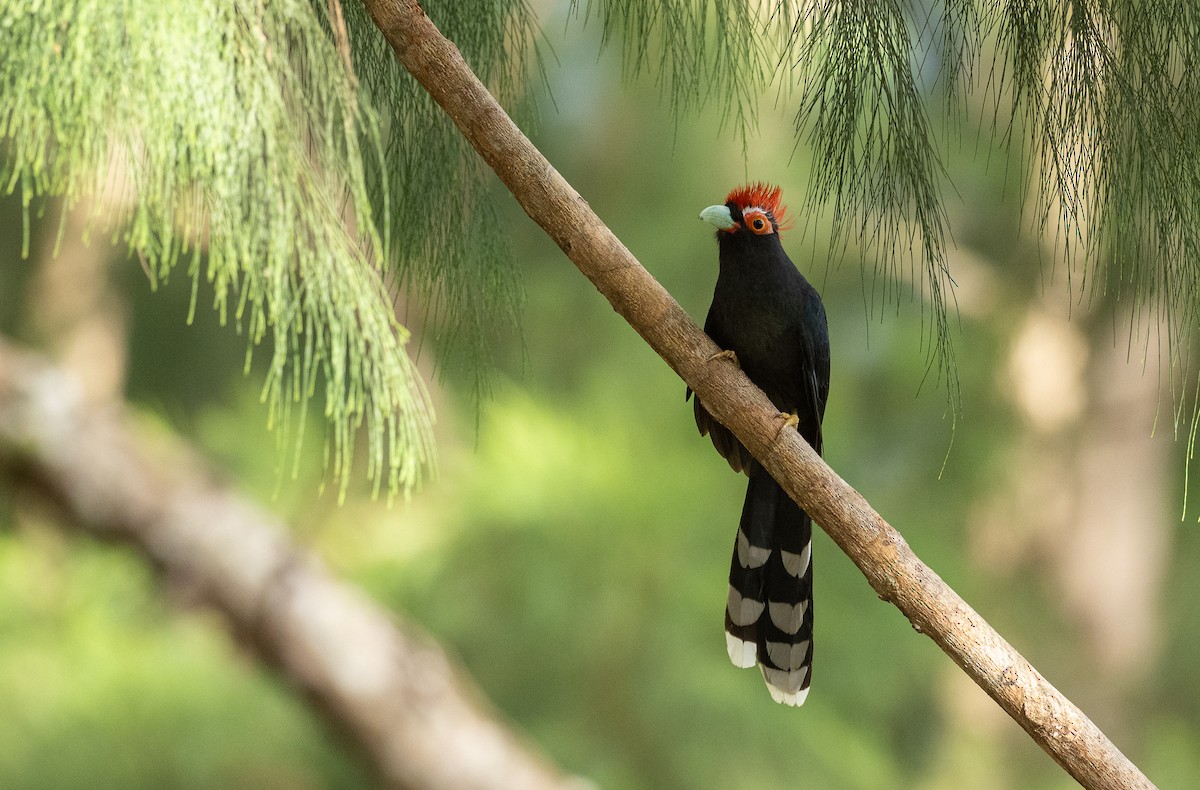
[{"x": 772, "y": 320}]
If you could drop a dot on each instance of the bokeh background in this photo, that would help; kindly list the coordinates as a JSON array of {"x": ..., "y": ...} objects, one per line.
[{"x": 573, "y": 550}]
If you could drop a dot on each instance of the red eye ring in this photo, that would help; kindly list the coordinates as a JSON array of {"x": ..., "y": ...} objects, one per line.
[{"x": 757, "y": 221}]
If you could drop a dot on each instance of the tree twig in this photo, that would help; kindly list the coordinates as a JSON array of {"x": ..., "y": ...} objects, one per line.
[
  {"x": 891, "y": 567},
  {"x": 421, "y": 722}
]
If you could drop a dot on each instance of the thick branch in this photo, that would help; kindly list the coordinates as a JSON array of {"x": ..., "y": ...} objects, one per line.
[
  {"x": 421, "y": 722},
  {"x": 883, "y": 556}
]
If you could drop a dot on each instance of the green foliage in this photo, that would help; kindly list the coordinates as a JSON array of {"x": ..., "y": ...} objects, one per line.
[
  {"x": 239, "y": 136},
  {"x": 700, "y": 53},
  {"x": 1109, "y": 98},
  {"x": 304, "y": 184},
  {"x": 875, "y": 159},
  {"x": 454, "y": 263}
]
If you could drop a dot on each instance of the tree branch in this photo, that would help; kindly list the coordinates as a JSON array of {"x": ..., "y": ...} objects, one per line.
[
  {"x": 421, "y": 722},
  {"x": 882, "y": 555}
]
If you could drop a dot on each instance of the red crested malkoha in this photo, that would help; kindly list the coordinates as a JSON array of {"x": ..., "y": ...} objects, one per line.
[{"x": 769, "y": 319}]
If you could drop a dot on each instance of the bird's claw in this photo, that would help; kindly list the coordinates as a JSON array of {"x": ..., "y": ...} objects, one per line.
[
  {"x": 726, "y": 354},
  {"x": 787, "y": 420}
]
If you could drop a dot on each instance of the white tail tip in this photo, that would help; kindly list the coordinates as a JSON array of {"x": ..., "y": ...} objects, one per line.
[{"x": 743, "y": 654}]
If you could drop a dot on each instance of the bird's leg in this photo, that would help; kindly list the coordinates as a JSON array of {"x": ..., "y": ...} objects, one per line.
[
  {"x": 787, "y": 420},
  {"x": 726, "y": 354}
]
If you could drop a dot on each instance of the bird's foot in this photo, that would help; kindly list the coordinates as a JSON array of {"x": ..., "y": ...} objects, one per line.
[
  {"x": 786, "y": 420},
  {"x": 726, "y": 354}
]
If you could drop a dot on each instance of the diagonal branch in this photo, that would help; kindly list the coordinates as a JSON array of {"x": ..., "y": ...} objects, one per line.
[
  {"x": 420, "y": 721},
  {"x": 892, "y": 569}
]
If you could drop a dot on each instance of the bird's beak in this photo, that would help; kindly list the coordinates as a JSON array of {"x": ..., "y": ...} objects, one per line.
[{"x": 718, "y": 216}]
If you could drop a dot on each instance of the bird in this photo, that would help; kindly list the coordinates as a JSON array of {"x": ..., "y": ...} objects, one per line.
[{"x": 768, "y": 319}]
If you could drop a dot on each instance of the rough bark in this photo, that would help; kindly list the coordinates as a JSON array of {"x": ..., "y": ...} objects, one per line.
[
  {"x": 882, "y": 555},
  {"x": 392, "y": 689}
]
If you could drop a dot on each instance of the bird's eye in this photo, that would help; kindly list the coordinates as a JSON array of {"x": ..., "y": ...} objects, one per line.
[{"x": 757, "y": 221}]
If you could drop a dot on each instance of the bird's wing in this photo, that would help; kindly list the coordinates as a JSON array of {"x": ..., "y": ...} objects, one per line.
[
  {"x": 814, "y": 362},
  {"x": 723, "y": 439}
]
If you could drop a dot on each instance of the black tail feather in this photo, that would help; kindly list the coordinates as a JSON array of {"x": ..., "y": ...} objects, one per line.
[{"x": 768, "y": 615}]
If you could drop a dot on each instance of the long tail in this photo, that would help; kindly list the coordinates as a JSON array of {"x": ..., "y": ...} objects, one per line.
[{"x": 768, "y": 616}]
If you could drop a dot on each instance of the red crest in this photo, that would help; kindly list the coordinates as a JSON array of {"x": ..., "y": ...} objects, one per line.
[{"x": 761, "y": 195}]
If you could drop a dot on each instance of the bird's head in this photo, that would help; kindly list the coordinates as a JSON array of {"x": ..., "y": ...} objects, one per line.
[{"x": 751, "y": 210}]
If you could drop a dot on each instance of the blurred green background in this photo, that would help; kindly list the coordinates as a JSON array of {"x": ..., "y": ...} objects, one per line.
[{"x": 574, "y": 548}]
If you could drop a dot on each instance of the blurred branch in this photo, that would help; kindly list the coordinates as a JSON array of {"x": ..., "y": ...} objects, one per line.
[
  {"x": 71, "y": 307},
  {"x": 883, "y": 556},
  {"x": 422, "y": 723}
]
